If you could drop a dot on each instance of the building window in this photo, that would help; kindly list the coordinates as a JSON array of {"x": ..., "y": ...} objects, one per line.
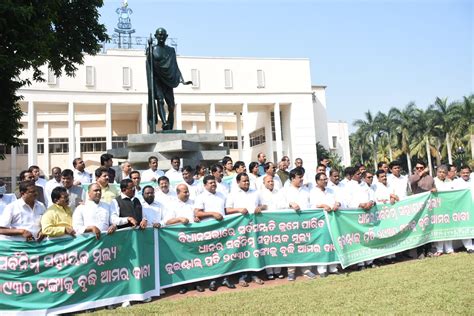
[
  {"x": 23, "y": 148},
  {"x": 232, "y": 143},
  {"x": 52, "y": 80},
  {"x": 40, "y": 146},
  {"x": 260, "y": 79},
  {"x": 228, "y": 79},
  {"x": 58, "y": 145},
  {"x": 334, "y": 141},
  {"x": 195, "y": 78},
  {"x": 257, "y": 137},
  {"x": 272, "y": 122},
  {"x": 119, "y": 141},
  {"x": 93, "y": 144},
  {"x": 90, "y": 76},
  {"x": 126, "y": 77}
]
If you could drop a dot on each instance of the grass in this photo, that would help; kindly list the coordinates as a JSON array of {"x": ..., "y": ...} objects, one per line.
[{"x": 441, "y": 285}]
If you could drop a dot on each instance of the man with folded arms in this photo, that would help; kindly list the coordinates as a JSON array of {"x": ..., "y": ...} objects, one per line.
[
  {"x": 211, "y": 205},
  {"x": 94, "y": 215}
]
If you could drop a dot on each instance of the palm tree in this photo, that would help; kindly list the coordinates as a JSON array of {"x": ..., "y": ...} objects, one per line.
[
  {"x": 404, "y": 122},
  {"x": 387, "y": 128},
  {"x": 464, "y": 127},
  {"x": 369, "y": 130},
  {"x": 446, "y": 120},
  {"x": 424, "y": 135}
]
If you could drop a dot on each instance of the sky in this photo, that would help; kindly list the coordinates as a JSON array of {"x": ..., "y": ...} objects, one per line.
[{"x": 371, "y": 55}]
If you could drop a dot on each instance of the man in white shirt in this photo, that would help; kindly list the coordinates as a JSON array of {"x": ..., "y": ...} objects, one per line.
[
  {"x": 153, "y": 173},
  {"x": 75, "y": 192},
  {"x": 335, "y": 184},
  {"x": 94, "y": 215},
  {"x": 271, "y": 197},
  {"x": 163, "y": 194},
  {"x": 465, "y": 182},
  {"x": 81, "y": 176},
  {"x": 297, "y": 198},
  {"x": 397, "y": 182},
  {"x": 174, "y": 174},
  {"x": 124, "y": 171},
  {"x": 152, "y": 210},
  {"x": 367, "y": 184},
  {"x": 211, "y": 205},
  {"x": 383, "y": 194},
  {"x": 35, "y": 170},
  {"x": 182, "y": 213},
  {"x": 244, "y": 201},
  {"x": 195, "y": 187},
  {"x": 218, "y": 172},
  {"x": 311, "y": 182},
  {"x": 323, "y": 197},
  {"x": 269, "y": 169},
  {"x": 53, "y": 183},
  {"x": 21, "y": 220}
]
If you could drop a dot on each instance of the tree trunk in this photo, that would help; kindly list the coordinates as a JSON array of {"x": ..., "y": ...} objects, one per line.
[
  {"x": 472, "y": 146},
  {"x": 390, "y": 153},
  {"x": 409, "y": 164},
  {"x": 428, "y": 155},
  {"x": 448, "y": 145}
]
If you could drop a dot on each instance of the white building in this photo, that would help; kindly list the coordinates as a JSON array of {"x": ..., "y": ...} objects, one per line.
[{"x": 269, "y": 103}]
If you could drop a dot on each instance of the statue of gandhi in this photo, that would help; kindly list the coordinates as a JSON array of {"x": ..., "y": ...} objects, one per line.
[{"x": 163, "y": 75}]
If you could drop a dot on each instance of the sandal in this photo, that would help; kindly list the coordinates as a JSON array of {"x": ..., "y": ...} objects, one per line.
[
  {"x": 438, "y": 254},
  {"x": 258, "y": 280},
  {"x": 243, "y": 283}
]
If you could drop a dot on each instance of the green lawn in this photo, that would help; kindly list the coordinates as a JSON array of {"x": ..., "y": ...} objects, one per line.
[{"x": 443, "y": 285}]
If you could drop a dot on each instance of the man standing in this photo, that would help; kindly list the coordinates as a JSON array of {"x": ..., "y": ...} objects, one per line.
[
  {"x": 21, "y": 219},
  {"x": 81, "y": 176},
  {"x": 163, "y": 194},
  {"x": 452, "y": 172},
  {"x": 323, "y": 197},
  {"x": 106, "y": 161},
  {"x": 244, "y": 201},
  {"x": 136, "y": 179},
  {"x": 261, "y": 158},
  {"x": 53, "y": 183},
  {"x": 75, "y": 192},
  {"x": 465, "y": 182},
  {"x": 40, "y": 182},
  {"x": 420, "y": 180},
  {"x": 5, "y": 198},
  {"x": 152, "y": 210},
  {"x": 297, "y": 198},
  {"x": 109, "y": 192},
  {"x": 126, "y": 209},
  {"x": 153, "y": 173},
  {"x": 211, "y": 205},
  {"x": 26, "y": 175},
  {"x": 383, "y": 194},
  {"x": 125, "y": 169},
  {"x": 94, "y": 215},
  {"x": 57, "y": 221},
  {"x": 195, "y": 188},
  {"x": 174, "y": 174},
  {"x": 269, "y": 169},
  {"x": 283, "y": 170},
  {"x": 397, "y": 182},
  {"x": 218, "y": 172}
]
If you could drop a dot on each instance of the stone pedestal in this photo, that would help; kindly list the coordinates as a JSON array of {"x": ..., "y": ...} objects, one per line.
[{"x": 193, "y": 148}]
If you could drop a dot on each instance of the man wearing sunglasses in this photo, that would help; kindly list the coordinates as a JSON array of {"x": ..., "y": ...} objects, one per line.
[{"x": 420, "y": 181}]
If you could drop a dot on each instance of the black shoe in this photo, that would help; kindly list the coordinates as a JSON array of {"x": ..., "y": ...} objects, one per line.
[
  {"x": 360, "y": 268},
  {"x": 213, "y": 286},
  {"x": 200, "y": 288},
  {"x": 270, "y": 277},
  {"x": 373, "y": 265},
  {"x": 470, "y": 251},
  {"x": 229, "y": 284},
  {"x": 323, "y": 275},
  {"x": 183, "y": 290}
]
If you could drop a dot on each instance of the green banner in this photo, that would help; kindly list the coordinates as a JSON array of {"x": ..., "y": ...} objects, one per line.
[
  {"x": 238, "y": 243},
  {"x": 387, "y": 229},
  {"x": 65, "y": 275}
]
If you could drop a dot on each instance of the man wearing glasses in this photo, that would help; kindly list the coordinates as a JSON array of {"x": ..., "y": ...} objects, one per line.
[{"x": 420, "y": 180}]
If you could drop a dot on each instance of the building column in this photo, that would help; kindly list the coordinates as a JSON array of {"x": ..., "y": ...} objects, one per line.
[
  {"x": 72, "y": 132},
  {"x": 144, "y": 118},
  {"x": 245, "y": 119},
  {"x": 179, "y": 116},
  {"x": 239, "y": 135},
  {"x": 206, "y": 121},
  {"x": 212, "y": 117},
  {"x": 279, "y": 143},
  {"x": 108, "y": 125},
  {"x": 78, "y": 141},
  {"x": 195, "y": 128},
  {"x": 47, "y": 159},
  {"x": 32, "y": 136},
  {"x": 13, "y": 171}
]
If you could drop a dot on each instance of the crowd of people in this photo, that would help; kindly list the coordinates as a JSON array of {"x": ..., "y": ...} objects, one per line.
[{"x": 74, "y": 201}]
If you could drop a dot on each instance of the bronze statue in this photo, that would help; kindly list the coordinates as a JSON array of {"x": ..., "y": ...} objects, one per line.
[{"x": 162, "y": 76}]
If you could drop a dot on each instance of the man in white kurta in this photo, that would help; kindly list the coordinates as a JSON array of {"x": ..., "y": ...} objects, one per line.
[
  {"x": 269, "y": 169},
  {"x": 397, "y": 182},
  {"x": 297, "y": 198},
  {"x": 218, "y": 172},
  {"x": 94, "y": 215},
  {"x": 163, "y": 194},
  {"x": 174, "y": 174},
  {"x": 153, "y": 173},
  {"x": 152, "y": 210},
  {"x": 323, "y": 197}
]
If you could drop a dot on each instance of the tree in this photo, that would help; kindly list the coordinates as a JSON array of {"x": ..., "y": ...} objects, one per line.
[
  {"x": 370, "y": 130},
  {"x": 35, "y": 33}
]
